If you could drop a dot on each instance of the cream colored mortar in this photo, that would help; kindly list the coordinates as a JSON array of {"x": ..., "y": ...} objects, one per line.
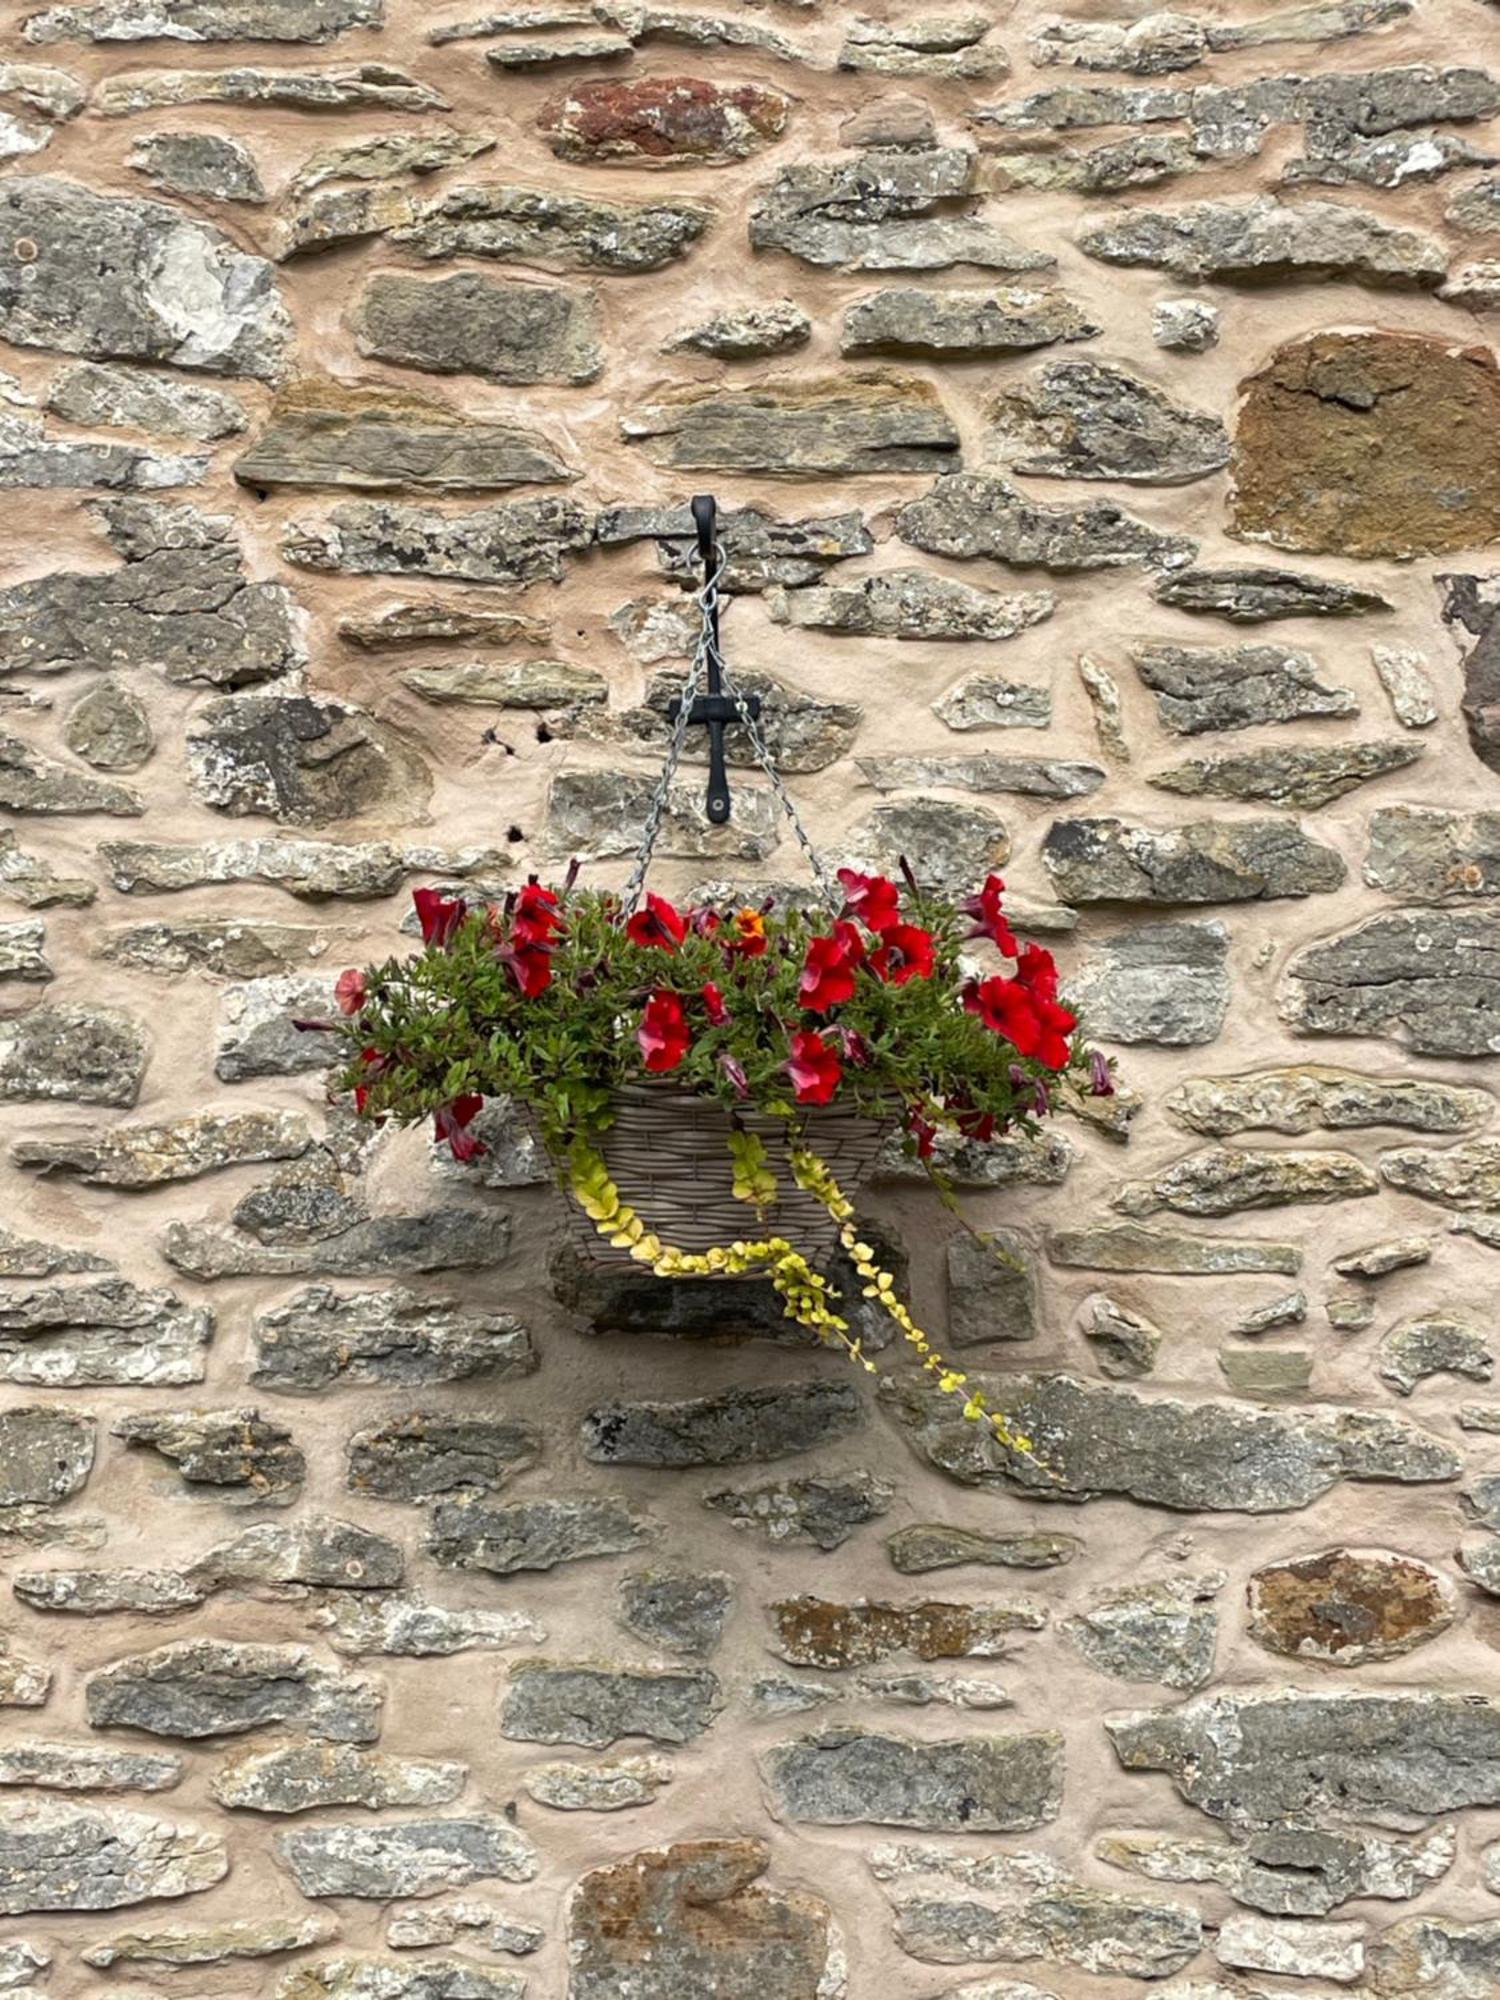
[{"x": 448, "y": 1708}]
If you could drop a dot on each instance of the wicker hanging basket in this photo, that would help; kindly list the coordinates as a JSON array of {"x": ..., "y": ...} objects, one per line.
[{"x": 668, "y": 1154}]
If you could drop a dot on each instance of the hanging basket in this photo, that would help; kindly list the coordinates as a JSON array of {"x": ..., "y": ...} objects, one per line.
[{"x": 668, "y": 1154}]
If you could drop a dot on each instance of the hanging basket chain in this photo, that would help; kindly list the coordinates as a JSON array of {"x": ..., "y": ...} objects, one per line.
[{"x": 707, "y": 652}]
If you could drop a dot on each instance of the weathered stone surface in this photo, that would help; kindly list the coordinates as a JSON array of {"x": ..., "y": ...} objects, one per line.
[
  {"x": 857, "y": 423},
  {"x": 1086, "y": 420},
  {"x": 45, "y": 1454},
  {"x": 694, "y": 1917},
  {"x": 743, "y": 333},
  {"x": 823, "y": 1511},
  {"x": 390, "y": 1979},
  {"x": 109, "y": 727},
  {"x": 1434, "y": 1956},
  {"x": 229, "y": 948},
  {"x": 1157, "y": 44},
  {"x": 92, "y": 392},
  {"x": 302, "y": 760},
  {"x": 1133, "y": 1247},
  {"x": 32, "y": 783},
  {"x": 358, "y": 1623},
  {"x": 614, "y": 1786},
  {"x": 406, "y": 1857},
  {"x": 1464, "y": 1176},
  {"x": 1300, "y": 779},
  {"x": 934, "y": 1545},
  {"x": 240, "y": 1457},
  {"x": 677, "y": 1611},
  {"x": 299, "y": 1777},
  {"x": 811, "y": 1632},
  {"x": 1303, "y": 1950},
  {"x": 972, "y": 1784},
  {"x": 1349, "y": 1606},
  {"x": 911, "y": 604},
  {"x": 29, "y": 880},
  {"x": 908, "y": 320},
  {"x": 1307, "y": 470},
  {"x": 198, "y": 163},
  {"x": 1006, "y": 1908},
  {"x": 1268, "y": 1372},
  {"x": 21, "y": 954},
  {"x": 1125, "y": 1343},
  {"x": 1475, "y": 285},
  {"x": 1201, "y": 861},
  {"x": 600, "y": 814},
  {"x": 1250, "y": 596},
  {"x": 514, "y": 542},
  {"x": 1185, "y": 326},
  {"x": 449, "y": 1923},
  {"x": 1262, "y": 240},
  {"x": 993, "y": 1163},
  {"x": 1166, "y": 983},
  {"x": 1402, "y": 672},
  {"x": 257, "y": 1034},
  {"x": 956, "y": 845},
  {"x": 112, "y": 277},
  {"x": 142, "y": 1156},
  {"x": 430, "y": 1452},
  {"x": 1164, "y": 1632},
  {"x": 550, "y": 1701},
  {"x": 32, "y": 456},
  {"x": 1036, "y": 777},
  {"x": 662, "y": 121},
  {"x": 470, "y": 323},
  {"x": 1434, "y": 1344},
  {"x": 438, "y": 1239},
  {"x": 972, "y": 514},
  {"x": 212, "y": 1687},
  {"x": 1426, "y": 852},
  {"x": 1305, "y": 1098},
  {"x": 204, "y": 21},
  {"x": 532, "y": 1534},
  {"x": 518, "y": 55},
  {"x": 1200, "y": 688},
  {"x": 886, "y": 210},
  {"x": 758, "y": 550},
  {"x": 180, "y": 604},
  {"x": 1290, "y": 1871},
  {"x": 1264, "y": 1758},
  {"x": 320, "y": 1337},
  {"x": 1469, "y": 606},
  {"x": 56, "y": 1856},
  {"x": 954, "y": 44},
  {"x": 102, "y": 1331},
  {"x": 349, "y": 87},
  {"x": 801, "y": 732},
  {"x": 211, "y": 1944},
  {"x": 77, "y": 1055},
  {"x": 1091, "y": 1440},
  {"x": 989, "y": 703},
  {"x": 23, "y": 1683},
  {"x": 442, "y": 622},
  {"x": 1426, "y": 978},
  {"x": 1221, "y": 1181},
  {"x": 739, "y": 1427},
  {"x": 323, "y": 433},
  {"x": 552, "y": 229},
  {"x": 310, "y": 868}
]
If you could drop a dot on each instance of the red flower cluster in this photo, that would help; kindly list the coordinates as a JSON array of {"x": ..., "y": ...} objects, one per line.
[
  {"x": 1025, "y": 1008},
  {"x": 535, "y": 921}
]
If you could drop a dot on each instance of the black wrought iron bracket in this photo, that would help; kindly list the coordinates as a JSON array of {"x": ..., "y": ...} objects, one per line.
[{"x": 713, "y": 709}]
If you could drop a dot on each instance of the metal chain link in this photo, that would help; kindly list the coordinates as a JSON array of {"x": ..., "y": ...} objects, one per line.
[{"x": 705, "y": 651}]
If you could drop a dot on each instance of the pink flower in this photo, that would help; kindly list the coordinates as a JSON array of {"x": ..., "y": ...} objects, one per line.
[
  {"x": 989, "y": 919},
  {"x": 450, "y": 1122},
  {"x": 349, "y": 990}
]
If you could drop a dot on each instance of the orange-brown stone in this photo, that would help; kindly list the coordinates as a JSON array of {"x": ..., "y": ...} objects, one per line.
[
  {"x": 662, "y": 121},
  {"x": 1348, "y": 1606},
  {"x": 1369, "y": 444}
]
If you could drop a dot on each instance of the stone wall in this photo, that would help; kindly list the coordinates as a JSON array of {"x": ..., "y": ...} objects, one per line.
[{"x": 1104, "y": 418}]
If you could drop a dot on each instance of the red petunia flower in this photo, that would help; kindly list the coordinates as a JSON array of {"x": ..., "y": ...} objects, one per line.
[
  {"x": 923, "y": 1131},
  {"x": 537, "y": 916},
  {"x": 814, "y": 1068},
  {"x": 529, "y": 963},
  {"x": 713, "y": 1001},
  {"x": 450, "y": 1123},
  {"x": 349, "y": 991},
  {"x": 874, "y": 899},
  {"x": 989, "y": 918},
  {"x": 1055, "y": 1025},
  {"x": 749, "y": 938},
  {"x": 658, "y": 924},
  {"x": 1036, "y": 969},
  {"x": 828, "y": 972},
  {"x": 1006, "y": 1008},
  {"x": 374, "y": 1065},
  {"x": 663, "y": 1035},
  {"x": 439, "y": 915},
  {"x": 905, "y": 952},
  {"x": 975, "y": 1124}
]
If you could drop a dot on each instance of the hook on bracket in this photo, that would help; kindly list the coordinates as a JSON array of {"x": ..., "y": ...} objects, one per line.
[{"x": 713, "y": 709}]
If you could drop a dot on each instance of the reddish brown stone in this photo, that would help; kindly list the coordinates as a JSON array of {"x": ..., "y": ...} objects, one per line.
[
  {"x": 1369, "y": 444},
  {"x": 662, "y": 121},
  {"x": 685, "y": 1920},
  {"x": 1347, "y": 1606},
  {"x": 810, "y": 1632}
]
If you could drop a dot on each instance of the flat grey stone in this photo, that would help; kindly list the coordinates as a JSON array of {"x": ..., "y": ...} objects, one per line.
[
  {"x": 824, "y": 1510},
  {"x": 333, "y": 87},
  {"x": 57, "y": 1856},
  {"x": 1185, "y": 326},
  {"x": 211, "y": 1944},
  {"x": 1378, "y": 1260},
  {"x": 855, "y": 423},
  {"x": 1091, "y": 1440},
  {"x": 74, "y": 1055},
  {"x": 1032, "y": 777},
  {"x": 109, "y": 727},
  {"x": 320, "y": 1337},
  {"x": 954, "y": 846},
  {"x": 1260, "y": 239},
  {"x": 257, "y": 1035},
  {"x": 1402, "y": 672},
  {"x": 21, "y": 954},
  {"x": 992, "y": 1289},
  {"x": 987, "y": 701},
  {"x": 1125, "y": 1343},
  {"x": 1437, "y": 1343},
  {"x": 1157, "y": 44},
  {"x": 1253, "y": 596},
  {"x": 1290, "y": 1871},
  {"x": 738, "y": 1427},
  {"x": 1435, "y": 1954},
  {"x": 143, "y": 1156},
  {"x": 406, "y": 1857},
  {"x": 1307, "y": 1097},
  {"x": 94, "y": 392},
  {"x": 428, "y": 1453},
  {"x": 513, "y": 542},
  {"x": 1166, "y": 983},
  {"x": 390, "y": 1622},
  {"x": 614, "y": 1786},
  {"x": 551, "y": 1701},
  {"x": 1201, "y": 861},
  {"x": 1269, "y": 1757},
  {"x": 302, "y": 760},
  {"x": 1466, "y": 1176},
  {"x": 450, "y": 1923},
  {"x": 239, "y": 1457},
  {"x": 204, "y": 21},
  {"x": 935, "y": 1545},
  {"x": 972, "y": 1784},
  {"x": 533, "y": 1534},
  {"x": 300, "y": 1777},
  {"x": 33, "y": 457},
  {"x": 600, "y": 814},
  {"x": 105, "y": 1331},
  {"x": 758, "y": 549},
  {"x": 438, "y": 1239},
  {"x": 440, "y": 622},
  {"x": 1299, "y": 779},
  {"x": 390, "y": 1979},
  {"x": 310, "y": 868},
  {"x": 680, "y": 1612},
  {"x": 46, "y": 1454},
  {"x": 1081, "y": 419},
  {"x": 553, "y": 229},
  {"x": 1427, "y": 978},
  {"x": 911, "y": 604},
  {"x": 32, "y": 783},
  {"x": 909, "y": 320},
  {"x": 743, "y": 333},
  {"x": 81, "y": 1767},
  {"x": 1165, "y": 1632},
  {"x": 1200, "y": 688},
  {"x": 1130, "y": 1246},
  {"x": 973, "y": 514},
  {"x": 32, "y": 882},
  {"x": 198, "y": 163},
  {"x": 470, "y": 323},
  {"x": 1427, "y": 853},
  {"x": 1222, "y": 1180},
  {"x": 212, "y": 1687}
]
